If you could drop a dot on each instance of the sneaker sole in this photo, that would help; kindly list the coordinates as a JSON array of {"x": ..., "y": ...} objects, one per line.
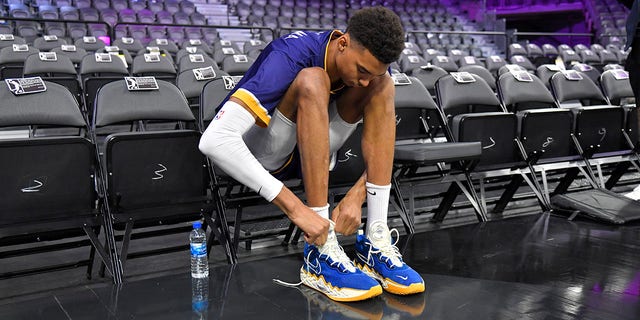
[
  {"x": 390, "y": 285},
  {"x": 337, "y": 294}
]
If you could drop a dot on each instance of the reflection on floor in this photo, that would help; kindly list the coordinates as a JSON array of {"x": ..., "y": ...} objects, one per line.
[{"x": 531, "y": 267}]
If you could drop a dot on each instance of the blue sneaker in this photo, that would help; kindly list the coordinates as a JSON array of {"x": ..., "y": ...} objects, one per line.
[
  {"x": 327, "y": 269},
  {"x": 381, "y": 260}
]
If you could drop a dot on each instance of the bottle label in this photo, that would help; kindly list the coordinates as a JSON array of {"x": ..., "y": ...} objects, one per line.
[{"x": 198, "y": 249}]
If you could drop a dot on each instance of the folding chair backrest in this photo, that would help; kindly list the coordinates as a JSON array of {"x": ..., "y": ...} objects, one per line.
[
  {"x": 428, "y": 75},
  {"x": 482, "y": 72},
  {"x": 414, "y": 104},
  {"x": 10, "y": 42},
  {"x": 46, "y": 178},
  {"x": 12, "y": 61},
  {"x": 192, "y": 87},
  {"x": 554, "y": 143},
  {"x": 213, "y": 93},
  {"x": 43, "y": 44},
  {"x": 192, "y": 61},
  {"x": 237, "y": 64},
  {"x": 162, "y": 68},
  {"x": 615, "y": 86},
  {"x": 519, "y": 95},
  {"x": 582, "y": 89},
  {"x": 54, "y": 107},
  {"x": 161, "y": 168},
  {"x": 62, "y": 66},
  {"x": 131, "y": 45},
  {"x": 545, "y": 72},
  {"x": 457, "y": 98},
  {"x": 115, "y": 104}
]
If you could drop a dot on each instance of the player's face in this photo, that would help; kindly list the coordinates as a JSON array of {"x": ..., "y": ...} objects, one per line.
[{"x": 358, "y": 67}]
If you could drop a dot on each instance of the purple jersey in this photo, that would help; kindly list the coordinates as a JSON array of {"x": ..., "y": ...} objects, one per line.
[{"x": 265, "y": 83}]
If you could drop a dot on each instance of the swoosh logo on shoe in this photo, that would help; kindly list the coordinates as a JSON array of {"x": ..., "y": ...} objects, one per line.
[
  {"x": 315, "y": 268},
  {"x": 403, "y": 278}
]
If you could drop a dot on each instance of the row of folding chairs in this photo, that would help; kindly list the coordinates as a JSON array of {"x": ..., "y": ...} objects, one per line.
[
  {"x": 581, "y": 130},
  {"x": 135, "y": 165}
]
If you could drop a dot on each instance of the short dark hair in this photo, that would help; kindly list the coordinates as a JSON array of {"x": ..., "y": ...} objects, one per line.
[{"x": 380, "y": 31}]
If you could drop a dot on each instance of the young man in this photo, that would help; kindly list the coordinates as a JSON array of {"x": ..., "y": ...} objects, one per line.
[{"x": 295, "y": 106}]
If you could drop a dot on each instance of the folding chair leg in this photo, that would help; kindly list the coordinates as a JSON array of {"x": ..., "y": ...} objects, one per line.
[
  {"x": 236, "y": 228},
  {"x": 407, "y": 218},
  {"x": 126, "y": 239},
  {"x": 508, "y": 194},
  {"x": 447, "y": 202},
  {"x": 289, "y": 234},
  {"x": 98, "y": 248},
  {"x": 617, "y": 173},
  {"x": 566, "y": 181}
]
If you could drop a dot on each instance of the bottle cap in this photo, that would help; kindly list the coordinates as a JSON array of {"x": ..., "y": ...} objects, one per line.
[{"x": 197, "y": 225}]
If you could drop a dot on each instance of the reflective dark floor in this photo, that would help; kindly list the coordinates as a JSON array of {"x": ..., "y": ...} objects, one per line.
[{"x": 532, "y": 267}]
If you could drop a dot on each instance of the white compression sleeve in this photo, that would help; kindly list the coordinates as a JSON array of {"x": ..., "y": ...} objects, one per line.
[{"x": 222, "y": 143}]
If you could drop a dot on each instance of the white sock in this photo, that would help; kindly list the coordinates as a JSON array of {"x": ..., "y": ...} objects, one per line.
[
  {"x": 322, "y": 211},
  {"x": 377, "y": 204}
]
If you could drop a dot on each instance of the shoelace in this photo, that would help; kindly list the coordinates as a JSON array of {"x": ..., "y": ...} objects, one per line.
[
  {"x": 388, "y": 250},
  {"x": 340, "y": 259}
]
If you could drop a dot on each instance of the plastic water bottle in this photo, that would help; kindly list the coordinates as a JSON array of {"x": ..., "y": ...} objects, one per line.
[
  {"x": 199, "y": 298},
  {"x": 198, "y": 243}
]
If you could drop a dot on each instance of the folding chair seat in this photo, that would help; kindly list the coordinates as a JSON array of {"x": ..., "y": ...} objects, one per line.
[
  {"x": 49, "y": 182},
  {"x": 589, "y": 70},
  {"x": 482, "y": 72},
  {"x": 154, "y": 64},
  {"x": 19, "y": 10},
  {"x": 154, "y": 177},
  {"x": 192, "y": 34},
  {"x": 155, "y": 6},
  {"x": 82, "y": 4},
  {"x": 428, "y": 75},
  {"x": 472, "y": 112},
  {"x": 519, "y": 94},
  {"x": 193, "y": 61},
  {"x": 12, "y": 60},
  {"x": 89, "y": 44},
  {"x": 69, "y": 13},
  {"x": 237, "y": 64},
  {"x": 55, "y": 68},
  {"x": 96, "y": 71}
]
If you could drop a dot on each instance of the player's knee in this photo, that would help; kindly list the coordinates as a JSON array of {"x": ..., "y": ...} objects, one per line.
[{"x": 312, "y": 82}]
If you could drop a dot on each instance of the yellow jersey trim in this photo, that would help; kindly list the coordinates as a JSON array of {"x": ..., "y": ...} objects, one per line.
[{"x": 254, "y": 104}]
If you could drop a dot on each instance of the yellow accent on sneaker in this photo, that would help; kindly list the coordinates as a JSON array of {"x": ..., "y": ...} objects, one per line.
[
  {"x": 336, "y": 293},
  {"x": 390, "y": 285}
]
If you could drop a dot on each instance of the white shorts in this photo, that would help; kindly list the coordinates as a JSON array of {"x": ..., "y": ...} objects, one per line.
[{"x": 273, "y": 146}]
